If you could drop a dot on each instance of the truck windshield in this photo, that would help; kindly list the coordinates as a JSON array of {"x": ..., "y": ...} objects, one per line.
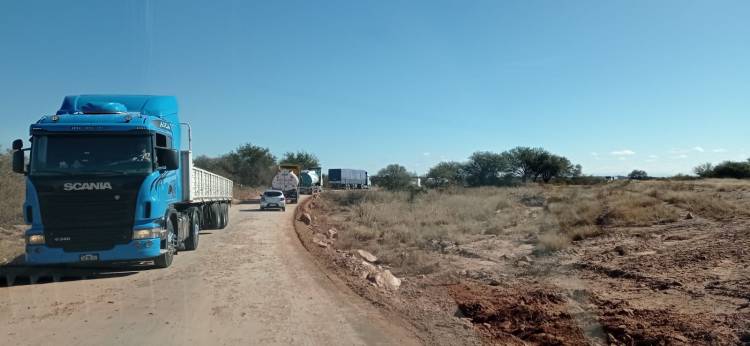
[{"x": 64, "y": 154}]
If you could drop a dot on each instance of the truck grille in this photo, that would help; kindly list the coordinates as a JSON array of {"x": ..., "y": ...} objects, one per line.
[{"x": 88, "y": 220}]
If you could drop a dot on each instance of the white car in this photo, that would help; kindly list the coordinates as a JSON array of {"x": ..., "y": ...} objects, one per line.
[{"x": 272, "y": 199}]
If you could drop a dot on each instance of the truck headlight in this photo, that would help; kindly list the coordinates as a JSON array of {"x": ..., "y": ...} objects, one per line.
[
  {"x": 35, "y": 239},
  {"x": 148, "y": 233}
]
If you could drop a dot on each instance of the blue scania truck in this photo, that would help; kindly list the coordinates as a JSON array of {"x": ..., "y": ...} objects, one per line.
[{"x": 107, "y": 181}]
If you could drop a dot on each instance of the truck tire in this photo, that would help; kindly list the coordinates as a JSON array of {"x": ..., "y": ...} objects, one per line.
[
  {"x": 215, "y": 216},
  {"x": 223, "y": 213},
  {"x": 226, "y": 214},
  {"x": 170, "y": 244},
  {"x": 191, "y": 243}
]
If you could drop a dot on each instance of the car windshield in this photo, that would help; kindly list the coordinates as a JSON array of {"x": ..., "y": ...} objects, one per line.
[
  {"x": 69, "y": 154},
  {"x": 272, "y": 194}
]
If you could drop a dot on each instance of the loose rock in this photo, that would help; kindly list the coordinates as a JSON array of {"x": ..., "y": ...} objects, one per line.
[
  {"x": 367, "y": 256},
  {"x": 320, "y": 240},
  {"x": 385, "y": 279},
  {"x": 680, "y": 338},
  {"x": 332, "y": 233},
  {"x": 306, "y": 218}
]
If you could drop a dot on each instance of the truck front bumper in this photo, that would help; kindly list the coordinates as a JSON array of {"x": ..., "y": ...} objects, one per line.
[{"x": 136, "y": 250}]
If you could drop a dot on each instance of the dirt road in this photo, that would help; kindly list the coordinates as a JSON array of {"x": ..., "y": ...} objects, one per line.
[{"x": 251, "y": 283}]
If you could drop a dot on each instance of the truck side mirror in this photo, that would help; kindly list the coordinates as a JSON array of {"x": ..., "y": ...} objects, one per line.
[
  {"x": 18, "y": 162},
  {"x": 18, "y": 157},
  {"x": 167, "y": 158}
]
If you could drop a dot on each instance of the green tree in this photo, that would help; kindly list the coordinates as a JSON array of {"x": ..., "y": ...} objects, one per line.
[
  {"x": 638, "y": 174},
  {"x": 553, "y": 166},
  {"x": 216, "y": 165},
  {"x": 253, "y": 165},
  {"x": 732, "y": 169},
  {"x": 575, "y": 171},
  {"x": 247, "y": 165},
  {"x": 485, "y": 168},
  {"x": 704, "y": 170},
  {"x": 537, "y": 163},
  {"x": 394, "y": 177},
  {"x": 525, "y": 162},
  {"x": 446, "y": 173},
  {"x": 302, "y": 158}
]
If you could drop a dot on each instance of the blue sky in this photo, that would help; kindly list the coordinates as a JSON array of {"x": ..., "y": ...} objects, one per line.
[{"x": 613, "y": 85}]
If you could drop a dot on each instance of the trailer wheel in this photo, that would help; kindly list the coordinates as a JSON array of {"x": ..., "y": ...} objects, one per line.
[
  {"x": 215, "y": 216},
  {"x": 170, "y": 245},
  {"x": 191, "y": 243},
  {"x": 223, "y": 214},
  {"x": 226, "y": 214}
]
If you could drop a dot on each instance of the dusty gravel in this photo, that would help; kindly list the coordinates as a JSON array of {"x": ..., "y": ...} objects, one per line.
[{"x": 251, "y": 283}]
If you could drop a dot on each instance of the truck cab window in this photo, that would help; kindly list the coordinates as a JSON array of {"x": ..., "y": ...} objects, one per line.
[{"x": 163, "y": 141}]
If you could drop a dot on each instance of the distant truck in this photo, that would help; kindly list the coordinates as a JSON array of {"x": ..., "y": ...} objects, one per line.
[
  {"x": 341, "y": 178},
  {"x": 311, "y": 181},
  {"x": 107, "y": 181},
  {"x": 287, "y": 180}
]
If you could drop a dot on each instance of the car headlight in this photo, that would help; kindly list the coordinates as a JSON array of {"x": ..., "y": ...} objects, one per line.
[
  {"x": 35, "y": 239},
  {"x": 148, "y": 233}
]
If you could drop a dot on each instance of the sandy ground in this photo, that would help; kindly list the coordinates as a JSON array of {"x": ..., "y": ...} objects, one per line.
[{"x": 251, "y": 283}]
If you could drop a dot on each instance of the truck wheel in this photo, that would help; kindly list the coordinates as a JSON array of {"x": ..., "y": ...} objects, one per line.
[
  {"x": 215, "y": 216},
  {"x": 226, "y": 214},
  {"x": 283, "y": 209},
  {"x": 191, "y": 243},
  {"x": 165, "y": 260},
  {"x": 223, "y": 212}
]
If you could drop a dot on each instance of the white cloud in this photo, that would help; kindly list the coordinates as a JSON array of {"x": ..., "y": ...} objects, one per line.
[
  {"x": 624, "y": 152},
  {"x": 699, "y": 149},
  {"x": 594, "y": 154},
  {"x": 652, "y": 156},
  {"x": 681, "y": 156},
  {"x": 426, "y": 154},
  {"x": 719, "y": 150}
]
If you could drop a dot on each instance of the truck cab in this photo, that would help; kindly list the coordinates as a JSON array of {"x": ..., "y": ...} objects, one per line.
[{"x": 104, "y": 182}]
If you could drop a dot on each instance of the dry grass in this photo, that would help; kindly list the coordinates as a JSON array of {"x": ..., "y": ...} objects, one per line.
[
  {"x": 393, "y": 225},
  {"x": 634, "y": 209},
  {"x": 394, "y": 218},
  {"x": 11, "y": 193},
  {"x": 714, "y": 198}
]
